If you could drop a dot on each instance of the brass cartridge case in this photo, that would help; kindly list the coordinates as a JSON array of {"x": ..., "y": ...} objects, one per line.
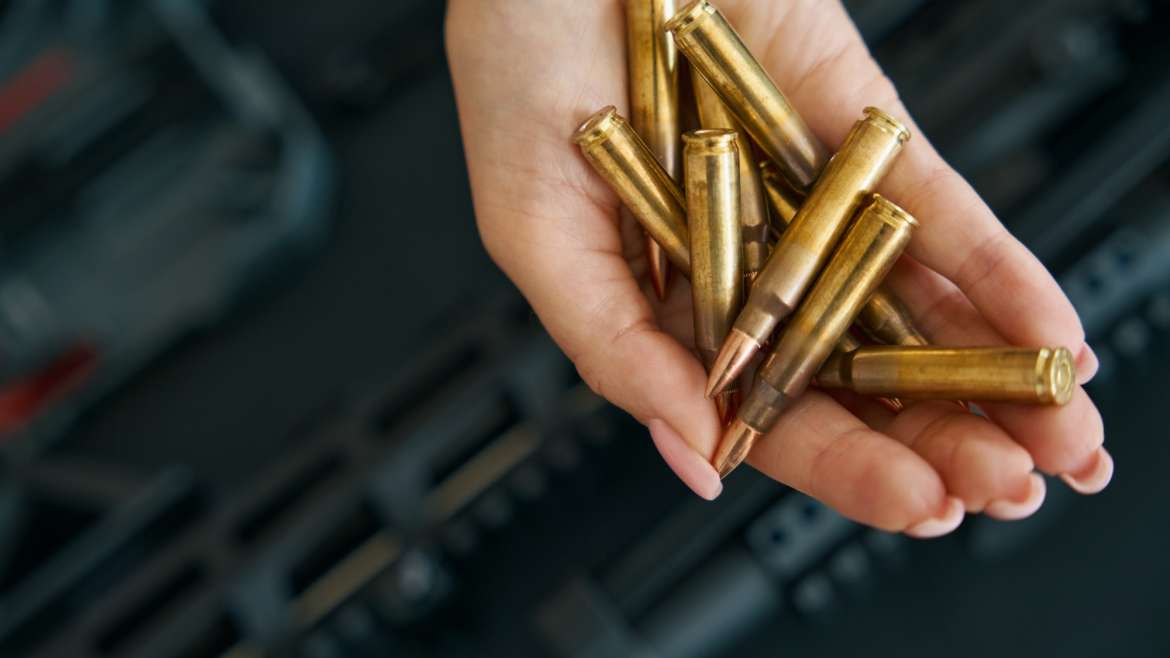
[
  {"x": 714, "y": 49},
  {"x": 864, "y": 158},
  {"x": 753, "y": 209},
  {"x": 620, "y": 156},
  {"x": 887, "y": 320},
  {"x": 654, "y": 111},
  {"x": 713, "y": 207},
  {"x": 865, "y": 256},
  {"x": 1043, "y": 375}
]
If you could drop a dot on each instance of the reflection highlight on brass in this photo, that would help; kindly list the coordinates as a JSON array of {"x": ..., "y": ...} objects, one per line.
[
  {"x": 990, "y": 374},
  {"x": 865, "y": 256},
  {"x": 866, "y": 155},
  {"x": 619, "y": 155},
  {"x": 654, "y": 111},
  {"x": 713, "y": 207},
  {"x": 714, "y": 49}
]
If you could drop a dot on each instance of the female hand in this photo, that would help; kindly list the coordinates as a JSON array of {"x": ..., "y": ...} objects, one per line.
[{"x": 527, "y": 73}]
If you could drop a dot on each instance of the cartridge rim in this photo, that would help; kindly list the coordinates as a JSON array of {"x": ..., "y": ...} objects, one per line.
[
  {"x": 687, "y": 18},
  {"x": 885, "y": 120},
  {"x": 889, "y": 211},
  {"x": 597, "y": 127},
  {"x": 713, "y": 140},
  {"x": 1055, "y": 375}
]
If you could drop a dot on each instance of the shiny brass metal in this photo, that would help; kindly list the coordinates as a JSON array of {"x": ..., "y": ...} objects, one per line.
[
  {"x": 867, "y": 153},
  {"x": 785, "y": 203},
  {"x": 865, "y": 256},
  {"x": 616, "y": 152},
  {"x": 884, "y": 318},
  {"x": 849, "y": 343},
  {"x": 784, "y": 200},
  {"x": 712, "y": 169},
  {"x": 753, "y": 209},
  {"x": 714, "y": 49},
  {"x": 1043, "y": 375},
  {"x": 887, "y": 320},
  {"x": 654, "y": 112}
]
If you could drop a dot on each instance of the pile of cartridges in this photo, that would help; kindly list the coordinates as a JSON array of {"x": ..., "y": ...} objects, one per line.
[{"x": 837, "y": 238}]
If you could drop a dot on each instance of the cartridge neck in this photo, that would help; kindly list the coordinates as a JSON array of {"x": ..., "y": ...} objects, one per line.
[{"x": 835, "y": 373}]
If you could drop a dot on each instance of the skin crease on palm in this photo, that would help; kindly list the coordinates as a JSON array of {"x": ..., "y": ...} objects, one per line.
[{"x": 527, "y": 73}]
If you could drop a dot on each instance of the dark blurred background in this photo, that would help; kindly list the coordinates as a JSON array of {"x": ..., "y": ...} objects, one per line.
[{"x": 243, "y": 413}]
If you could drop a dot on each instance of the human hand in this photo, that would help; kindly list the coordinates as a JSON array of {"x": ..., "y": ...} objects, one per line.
[{"x": 526, "y": 75}]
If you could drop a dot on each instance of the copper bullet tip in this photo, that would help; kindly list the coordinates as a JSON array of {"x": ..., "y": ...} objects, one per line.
[
  {"x": 734, "y": 447},
  {"x": 737, "y": 351},
  {"x": 726, "y": 405},
  {"x": 659, "y": 267}
]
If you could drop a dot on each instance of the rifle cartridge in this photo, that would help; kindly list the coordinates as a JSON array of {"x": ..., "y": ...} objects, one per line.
[
  {"x": 714, "y": 49},
  {"x": 1043, "y": 375},
  {"x": 620, "y": 156},
  {"x": 866, "y": 155},
  {"x": 865, "y": 256},
  {"x": 712, "y": 167},
  {"x": 654, "y": 111}
]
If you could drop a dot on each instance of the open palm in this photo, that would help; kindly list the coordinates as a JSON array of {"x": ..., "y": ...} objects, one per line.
[{"x": 527, "y": 73}]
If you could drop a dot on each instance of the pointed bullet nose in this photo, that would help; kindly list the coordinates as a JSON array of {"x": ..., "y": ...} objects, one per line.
[
  {"x": 734, "y": 447},
  {"x": 733, "y": 357}
]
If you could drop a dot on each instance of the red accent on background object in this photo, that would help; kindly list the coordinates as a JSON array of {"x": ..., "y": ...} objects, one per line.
[
  {"x": 21, "y": 93},
  {"x": 23, "y": 399}
]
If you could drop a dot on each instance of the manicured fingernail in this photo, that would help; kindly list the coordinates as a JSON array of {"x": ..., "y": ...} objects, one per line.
[
  {"x": 688, "y": 465},
  {"x": 1093, "y": 477},
  {"x": 1087, "y": 365},
  {"x": 1014, "y": 510},
  {"x": 940, "y": 525}
]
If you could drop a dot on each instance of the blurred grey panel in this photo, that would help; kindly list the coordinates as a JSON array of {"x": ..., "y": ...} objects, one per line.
[
  {"x": 1125, "y": 154},
  {"x": 580, "y": 622},
  {"x": 1121, "y": 271},
  {"x": 729, "y": 596},
  {"x": 796, "y": 533}
]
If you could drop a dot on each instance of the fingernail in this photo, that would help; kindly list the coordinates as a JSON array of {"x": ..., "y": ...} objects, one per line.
[
  {"x": 688, "y": 465},
  {"x": 1093, "y": 477},
  {"x": 1087, "y": 365},
  {"x": 940, "y": 525},
  {"x": 1012, "y": 510}
]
